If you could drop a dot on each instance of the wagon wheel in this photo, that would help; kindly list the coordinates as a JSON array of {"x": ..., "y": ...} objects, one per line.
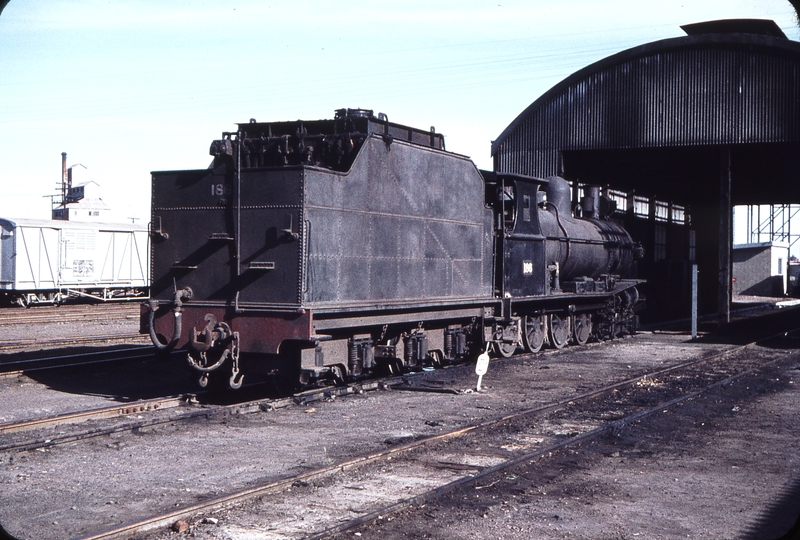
[
  {"x": 534, "y": 332},
  {"x": 559, "y": 329},
  {"x": 581, "y": 328}
]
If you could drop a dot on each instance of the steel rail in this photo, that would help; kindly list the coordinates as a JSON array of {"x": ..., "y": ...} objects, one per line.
[
  {"x": 231, "y": 499},
  {"x": 99, "y": 432},
  {"x": 160, "y": 404},
  {"x": 91, "y": 414},
  {"x": 396, "y": 383},
  {"x": 10, "y": 317},
  {"x": 20, "y": 344},
  {"x": 153, "y": 405}
]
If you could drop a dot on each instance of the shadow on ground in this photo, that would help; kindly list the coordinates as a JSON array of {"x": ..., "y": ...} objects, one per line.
[
  {"x": 741, "y": 329},
  {"x": 139, "y": 374},
  {"x": 143, "y": 375},
  {"x": 781, "y": 519}
]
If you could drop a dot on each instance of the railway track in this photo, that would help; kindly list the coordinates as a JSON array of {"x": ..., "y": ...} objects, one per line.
[
  {"x": 26, "y": 344},
  {"x": 53, "y": 430},
  {"x": 11, "y": 316},
  {"x": 183, "y": 407},
  {"x": 66, "y": 326},
  {"x": 54, "y": 327},
  {"x": 483, "y": 477},
  {"x": 412, "y": 472},
  {"x": 64, "y": 435}
]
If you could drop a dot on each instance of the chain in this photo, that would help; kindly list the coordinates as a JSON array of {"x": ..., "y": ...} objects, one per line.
[{"x": 235, "y": 349}]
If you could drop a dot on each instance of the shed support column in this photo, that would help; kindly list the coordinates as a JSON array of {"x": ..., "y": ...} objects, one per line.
[{"x": 725, "y": 238}]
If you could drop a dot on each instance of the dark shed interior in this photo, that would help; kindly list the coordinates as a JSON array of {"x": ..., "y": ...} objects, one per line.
[{"x": 685, "y": 128}]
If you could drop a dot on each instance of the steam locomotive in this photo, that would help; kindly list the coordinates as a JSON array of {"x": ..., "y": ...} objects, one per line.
[{"x": 329, "y": 250}]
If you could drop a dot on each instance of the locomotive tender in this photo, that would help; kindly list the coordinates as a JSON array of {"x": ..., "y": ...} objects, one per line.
[{"x": 332, "y": 249}]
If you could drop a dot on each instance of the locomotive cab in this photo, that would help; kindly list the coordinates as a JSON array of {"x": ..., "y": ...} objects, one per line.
[{"x": 546, "y": 248}]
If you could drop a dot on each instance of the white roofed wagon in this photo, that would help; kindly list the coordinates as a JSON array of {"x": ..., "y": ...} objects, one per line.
[{"x": 43, "y": 261}]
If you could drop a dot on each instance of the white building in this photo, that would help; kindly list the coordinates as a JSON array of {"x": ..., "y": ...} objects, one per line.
[
  {"x": 80, "y": 200},
  {"x": 760, "y": 269}
]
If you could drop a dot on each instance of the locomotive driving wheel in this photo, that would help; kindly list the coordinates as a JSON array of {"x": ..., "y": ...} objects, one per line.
[
  {"x": 507, "y": 338},
  {"x": 505, "y": 349},
  {"x": 559, "y": 329},
  {"x": 581, "y": 328},
  {"x": 534, "y": 332}
]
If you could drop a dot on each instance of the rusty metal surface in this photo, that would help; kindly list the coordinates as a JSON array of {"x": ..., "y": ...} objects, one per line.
[{"x": 260, "y": 332}]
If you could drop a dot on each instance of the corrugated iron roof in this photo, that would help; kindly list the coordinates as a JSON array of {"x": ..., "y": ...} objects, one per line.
[{"x": 706, "y": 89}]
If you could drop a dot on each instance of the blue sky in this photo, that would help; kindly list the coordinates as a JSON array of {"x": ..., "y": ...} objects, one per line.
[{"x": 127, "y": 88}]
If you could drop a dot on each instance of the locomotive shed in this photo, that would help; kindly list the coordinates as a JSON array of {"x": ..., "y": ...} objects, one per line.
[{"x": 684, "y": 129}]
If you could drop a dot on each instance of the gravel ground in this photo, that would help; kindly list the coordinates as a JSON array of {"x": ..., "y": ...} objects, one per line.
[
  {"x": 66, "y": 490},
  {"x": 726, "y": 465},
  {"x": 679, "y": 479}
]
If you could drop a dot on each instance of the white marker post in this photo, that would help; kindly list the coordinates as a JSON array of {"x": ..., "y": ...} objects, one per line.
[{"x": 482, "y": 367}]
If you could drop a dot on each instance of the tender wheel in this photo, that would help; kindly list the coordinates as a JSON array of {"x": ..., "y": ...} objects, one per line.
[
  {"x": 339, "y": 373},
  {"x": 581, "y": 328},
  {"x": 283, "y": 384},
  {"x": 436, "y": 358},
  {"x": 534, "y": 332},
  {"x": 559, "y": 329},
  {"x": 392, "y": 367}
]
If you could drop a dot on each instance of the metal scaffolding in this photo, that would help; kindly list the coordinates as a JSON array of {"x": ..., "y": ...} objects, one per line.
[{"x": 773, "y": 223}]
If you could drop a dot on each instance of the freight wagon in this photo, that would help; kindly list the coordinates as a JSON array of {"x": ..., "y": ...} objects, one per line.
[{"x": 43, "y": 261}]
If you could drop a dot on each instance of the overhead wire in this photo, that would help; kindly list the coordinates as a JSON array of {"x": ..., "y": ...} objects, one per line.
[{"x": 426, "y": 70}]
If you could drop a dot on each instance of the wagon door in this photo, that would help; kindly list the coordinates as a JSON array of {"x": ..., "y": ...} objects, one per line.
[{"x": 37, "y": 251}]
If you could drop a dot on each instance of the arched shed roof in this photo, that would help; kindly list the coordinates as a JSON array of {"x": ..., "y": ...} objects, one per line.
[{"x": 698, "y": 90}]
